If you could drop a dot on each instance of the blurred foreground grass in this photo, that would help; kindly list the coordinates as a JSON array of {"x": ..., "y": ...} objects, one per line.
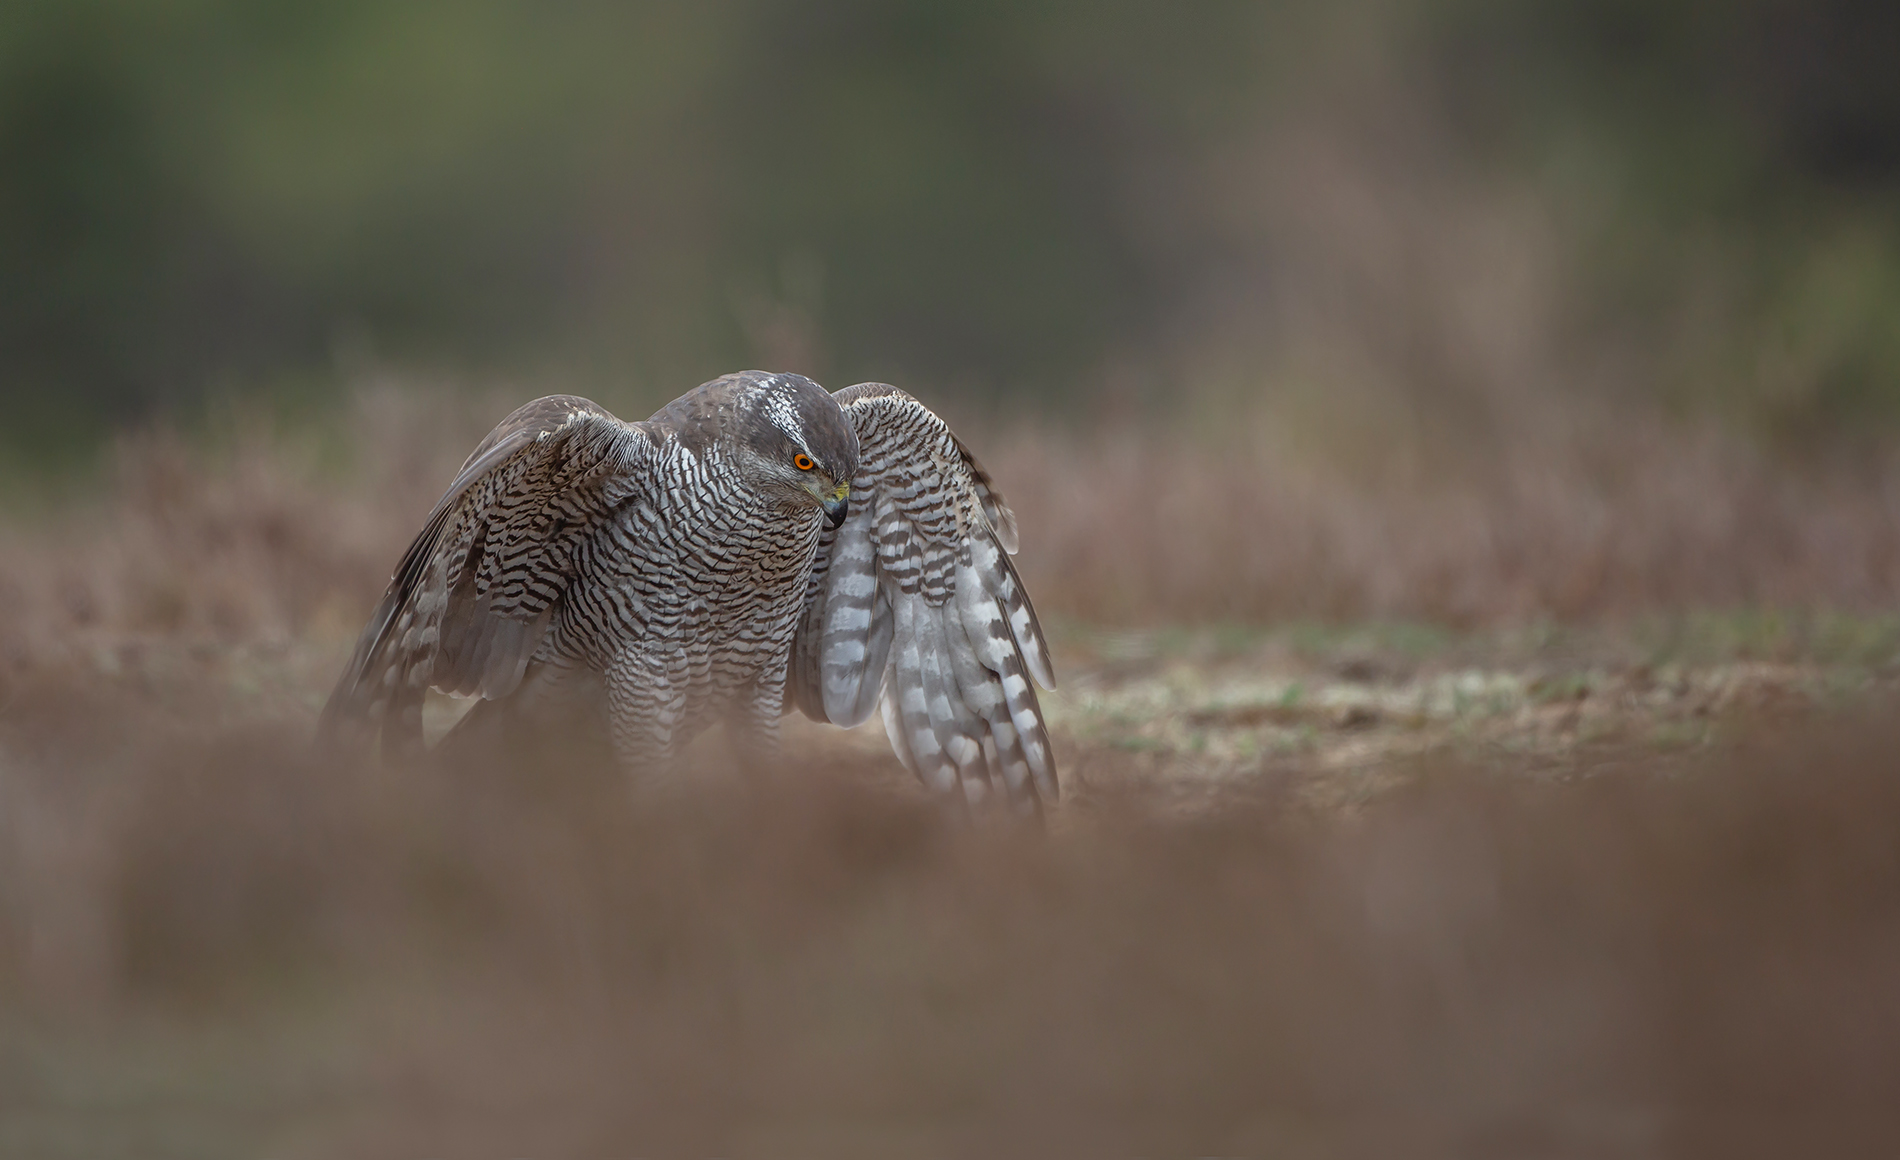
[
  {"x": 1400, "y": 860},
  {"x": 1291, "y": 905}
]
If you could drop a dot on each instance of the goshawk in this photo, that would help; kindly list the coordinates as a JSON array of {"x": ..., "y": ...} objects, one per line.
[{"x": 757, "y": 546}]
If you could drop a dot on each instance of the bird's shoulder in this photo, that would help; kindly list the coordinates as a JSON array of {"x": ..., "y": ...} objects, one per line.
[
  {"x": 556, "y": 433},
  {"x": 882, "y": 414},
  {"x": 710, "y": 412}
]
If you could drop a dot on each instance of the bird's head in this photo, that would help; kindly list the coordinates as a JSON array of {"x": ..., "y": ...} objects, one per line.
[{"x": 794, "y": 442}]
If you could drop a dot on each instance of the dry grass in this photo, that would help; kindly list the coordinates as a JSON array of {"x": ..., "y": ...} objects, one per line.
[
  {"x": 213, "y": 943},
  {"x": 289, "y": 538},
  {"x": 1170, "y": 529}
]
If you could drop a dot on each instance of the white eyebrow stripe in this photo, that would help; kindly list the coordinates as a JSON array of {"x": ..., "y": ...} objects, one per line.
[{"x": 783, "y": 412}]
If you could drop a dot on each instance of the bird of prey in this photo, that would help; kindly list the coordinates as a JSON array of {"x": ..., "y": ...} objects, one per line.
[{"x": 758, "y": 545}]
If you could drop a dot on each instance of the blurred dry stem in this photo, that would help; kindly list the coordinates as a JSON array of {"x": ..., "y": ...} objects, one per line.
[
  {"x": 1578, "y": 524},
  {"x": 522, "y": 959}
]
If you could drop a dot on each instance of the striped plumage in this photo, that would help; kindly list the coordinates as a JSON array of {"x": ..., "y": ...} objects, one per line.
[{"x": 683, "y": 570}]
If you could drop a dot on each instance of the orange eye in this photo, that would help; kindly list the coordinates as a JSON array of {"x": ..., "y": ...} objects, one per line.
[{"x": 802, "y": 462}]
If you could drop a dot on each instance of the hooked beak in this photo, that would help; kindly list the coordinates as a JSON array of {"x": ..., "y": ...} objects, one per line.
[{"x": 836, "y": 508}]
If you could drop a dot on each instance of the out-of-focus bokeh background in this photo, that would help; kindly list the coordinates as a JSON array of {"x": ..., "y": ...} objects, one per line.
[
  {"x": 1457, "y": 451},
  {"x": 1465, "y": 311},
  {"x": 1447, "y": 211}
]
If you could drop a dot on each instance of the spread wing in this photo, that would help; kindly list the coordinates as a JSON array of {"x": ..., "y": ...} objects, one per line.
[
  {"x": 914, "y": 603},
  {"x": 472, "y": 597}
]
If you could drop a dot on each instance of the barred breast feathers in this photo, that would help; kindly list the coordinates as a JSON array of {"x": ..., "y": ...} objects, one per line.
[
  {"x": 473, "y": 595},
  {"x": 915, "y": 606}
]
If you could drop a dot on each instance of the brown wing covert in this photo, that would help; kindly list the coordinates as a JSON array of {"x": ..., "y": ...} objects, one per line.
[{"x": 473, "y": 595}]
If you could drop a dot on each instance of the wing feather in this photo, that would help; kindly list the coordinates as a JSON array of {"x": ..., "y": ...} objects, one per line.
[
  {"x": 471, "y": 600},
  {"x": 915, "y": 605},
  {"x": 1002, "y": 520}
]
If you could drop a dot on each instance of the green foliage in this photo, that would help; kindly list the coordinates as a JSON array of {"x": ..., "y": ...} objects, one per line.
[
  {"x": 983, "y": 196},
  {"x": 215, "y": 190},
  {"x": 1728, "y": 174}
]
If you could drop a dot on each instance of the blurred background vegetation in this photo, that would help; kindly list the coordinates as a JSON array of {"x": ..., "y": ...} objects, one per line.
[{"x": 1435, "y": 215}]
